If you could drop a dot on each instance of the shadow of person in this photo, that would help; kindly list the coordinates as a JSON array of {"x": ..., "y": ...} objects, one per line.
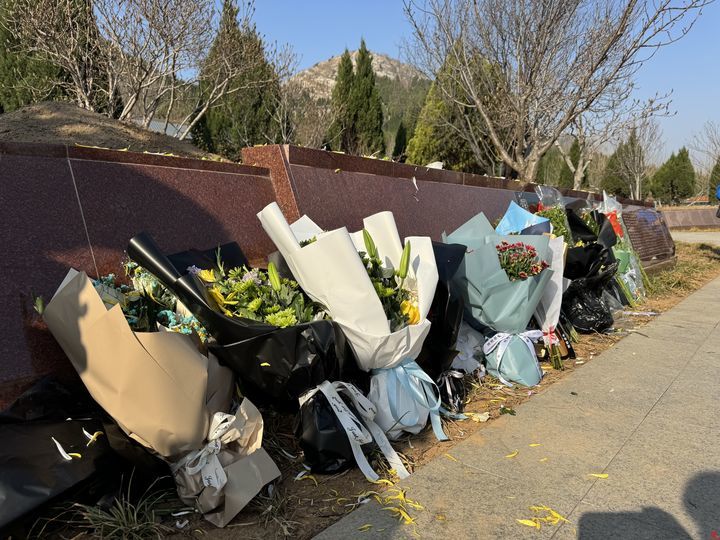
[
  {"x": 702, "y": 502},
  {"x": 649, "y": 523}
]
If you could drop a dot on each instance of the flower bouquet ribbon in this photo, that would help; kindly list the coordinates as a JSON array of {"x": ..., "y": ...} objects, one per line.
[
  {"x": 493, "y": 299},
  {"x": 355, "y": 419},
  {"x": 332, "y": 273},
  {"x": 498, "y": 344},
  {"x": 224, "y": 475}
]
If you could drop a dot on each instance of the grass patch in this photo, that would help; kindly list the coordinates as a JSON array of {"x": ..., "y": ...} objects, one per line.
[{"x": 696, "y": 265}]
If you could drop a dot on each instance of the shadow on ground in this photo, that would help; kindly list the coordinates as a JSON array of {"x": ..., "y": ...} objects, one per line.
[{"x": 702, "y": 504}]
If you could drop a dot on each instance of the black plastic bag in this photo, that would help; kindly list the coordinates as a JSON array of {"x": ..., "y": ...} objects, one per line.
[
  {"x": 274, "y": 365},
  {"x": 33, "y": 470},
  {"x": 446, "y": 313},
  {"x": 583, "y": 305},
  {"x": 321, "y": 436}
]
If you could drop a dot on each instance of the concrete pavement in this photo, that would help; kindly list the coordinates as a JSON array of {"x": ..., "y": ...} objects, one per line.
[
  {"x": 645, "y": 413},
  {"x": 701, "y": 237}
]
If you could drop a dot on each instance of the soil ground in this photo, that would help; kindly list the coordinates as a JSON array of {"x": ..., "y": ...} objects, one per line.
[{"x": 57, "y": 122}]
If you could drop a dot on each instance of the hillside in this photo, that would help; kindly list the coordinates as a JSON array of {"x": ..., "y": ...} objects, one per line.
[
  {"x": 402, "y": 89},
  {"x": 320, "y": 78},
  {"x": 58, "y": 122}
]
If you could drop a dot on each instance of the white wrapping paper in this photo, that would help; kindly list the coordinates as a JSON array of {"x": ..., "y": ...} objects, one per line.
[
  {"x": 548, "y": 310},
  {"x": 330, "y": 271}
]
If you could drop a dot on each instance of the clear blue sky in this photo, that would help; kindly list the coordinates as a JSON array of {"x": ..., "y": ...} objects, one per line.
[{"x": 318, "y": 29}]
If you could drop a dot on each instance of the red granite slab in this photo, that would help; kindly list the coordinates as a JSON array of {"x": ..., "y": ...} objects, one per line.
[
  {"x": 41, "y": 237},
  {"x": 335, "y": 199}
]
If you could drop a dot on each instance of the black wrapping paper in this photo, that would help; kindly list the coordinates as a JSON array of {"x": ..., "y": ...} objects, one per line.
[
  {"x": 446, "y": 313},
  {"x": 322, "y": 438},
  {"x": 32, "y": 470},
  {"x": 274, "y": 365}
]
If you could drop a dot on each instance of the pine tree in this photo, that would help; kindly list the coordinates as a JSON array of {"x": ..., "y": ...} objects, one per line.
[
  {"x": 400, "y": 144},
  {"x": 342, "y": 133},
  {"x": 714, "y": 182},
  {"x": 243, "y": 118},
  {"x": 675, "y": 179},
  {"x": 366, "y": 106}
]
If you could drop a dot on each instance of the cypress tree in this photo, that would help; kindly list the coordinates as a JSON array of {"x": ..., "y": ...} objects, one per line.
[
  {"x": 675, "y": 179},
  {"x": 400, "y": 144},
  {"x": 714, "y": 181},
  {"x": 366, "y": 105},
  {"x": 342, "y": 133},
  {"x": 243, "y": 118},
  {"x": 551, "y": 167},
  {"x": 612, "y": 181},
  {"x": 567, "y": 177}
]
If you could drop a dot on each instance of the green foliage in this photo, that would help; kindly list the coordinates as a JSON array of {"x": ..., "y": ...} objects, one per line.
[
  {"x": 342, "y": 131},
  {"x": 675, "y": 179},
  {"x": 567, "y": 177},
  {"x": 612, "y": 180},
  {"x": 20, "y": 71},
  {"x": 400, "y": 143},
  {"x": 435, "y": 139},
  {"x": 714, "y": 181},
  {"x": 243, "y": 118},
  {"x": 259, "y": 296},
  {"x": 402, "y": 102},
  {"x": 550, "y": 167},
  {"x": 366, "y": 106}
]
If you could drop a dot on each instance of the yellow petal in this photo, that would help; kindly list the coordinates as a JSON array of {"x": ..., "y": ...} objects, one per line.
[
  {"x": 543, "y": 460},
  {"x": 533, "y": 445},
  {"x": 365, "y": 527},
  {"x": 74, "y": 454},
  {"x": 451, "y": 458},
  {"x": 529, "y": 523},
  {"x": 264, "y": 364},
  {"x": 515, "y": 453},
  {"x": 383, "y": 481},
  {"x": 599, "y": 475},
  {"x": 207, "y": 275}
]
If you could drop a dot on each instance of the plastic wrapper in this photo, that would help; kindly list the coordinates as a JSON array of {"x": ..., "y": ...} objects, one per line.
[
  {"x": 517, "y": 219},
  {"x": 583, "y": 304},
  {"x": 331, "y": 272},
  {"x": 445, "y": 316},
  {"x": 493, "y": 301},
  {"x": 551, "y": 206},
  {"x": 446, "y": 312},
  {"x": 274, "y": 366},
  {"x": 46, "y": 450},
  {"x": 335, "y": 428}
]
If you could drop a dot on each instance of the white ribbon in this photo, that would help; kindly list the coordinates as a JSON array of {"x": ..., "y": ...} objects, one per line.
[
  {"x": 205, "y": 461},
  {"x": 501, "y": 341},
  {"x": 359, "y": 431},
  {"x": 444, "y": 380}
]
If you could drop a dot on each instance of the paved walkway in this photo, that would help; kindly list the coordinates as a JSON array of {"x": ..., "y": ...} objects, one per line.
[
  {"x": 712, "y": 238},
  {"x": 644, "y": 412}
]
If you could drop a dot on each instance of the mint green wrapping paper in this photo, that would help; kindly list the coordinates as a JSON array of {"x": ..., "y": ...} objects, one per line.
[{"x": 498, "y": 303}]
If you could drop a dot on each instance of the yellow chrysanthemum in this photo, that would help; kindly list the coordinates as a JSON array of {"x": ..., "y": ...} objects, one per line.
[
  {"x": 411, "y": 311},
  {"x": 207, "y": 275}
]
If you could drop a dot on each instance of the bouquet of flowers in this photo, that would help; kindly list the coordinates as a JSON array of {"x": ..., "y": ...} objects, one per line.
[
  {"x": 382, "y": 310},
  {"x": 547, "y": 313},
  {"x": 499, "y": 299},
  {"x": 162, "y": 391},
  {"x": 262, "y": 326}
]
